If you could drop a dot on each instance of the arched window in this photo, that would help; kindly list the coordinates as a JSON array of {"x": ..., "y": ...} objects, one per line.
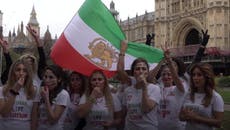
[{"x": 192, "y": 38}]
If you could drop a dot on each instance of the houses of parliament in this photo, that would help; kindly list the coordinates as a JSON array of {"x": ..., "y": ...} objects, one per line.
[
  {"x": 180, "y": 24},
  {"x": 21, "y": 42},
  {"x": 177, "y": 22}
]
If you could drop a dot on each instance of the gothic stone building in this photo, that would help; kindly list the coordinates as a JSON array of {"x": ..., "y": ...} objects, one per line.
[
  {"x": 21, "y": 42},
  {"x": 180, "y": 23}
]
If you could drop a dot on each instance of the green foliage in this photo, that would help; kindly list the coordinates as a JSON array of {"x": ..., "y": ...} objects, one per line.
[
  {"x": 223, "y": 81},
  {"x": 226, "y": 121},
  {"x": 225, "y": 93}
]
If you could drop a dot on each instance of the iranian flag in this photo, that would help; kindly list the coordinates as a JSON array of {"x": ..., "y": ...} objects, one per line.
[{"x": 92, "y": 39}]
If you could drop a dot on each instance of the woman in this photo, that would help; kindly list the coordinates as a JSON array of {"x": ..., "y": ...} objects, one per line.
[
  {"x": 32, "y": 61},
  {"x": 76, "y": 89},
  {"x": 54, "y": 100},
  {"x": 172, "y": 95},
  {"x": 155, "y": 75},
  {"x": 18, "y": 99},
  {"x": 140, "y": 100},
  {"x": 203, "y": 107},
  {"x": 37, "y": 68},
  {"x": 101, "y": 109}
]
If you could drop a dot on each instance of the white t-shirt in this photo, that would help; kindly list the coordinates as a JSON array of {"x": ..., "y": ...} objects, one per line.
[
  {"x": 62, "y": 99},
  {"x": 135, "y": 118},
  {"x": 71, "y": 119},
  {"x": 216, "y": 105},
  {"x": 36, "y": 81},
  {"x": 169, "y": 108},
  {"x": 20, "y": 116},
  {"x": 99, "y": 113}
]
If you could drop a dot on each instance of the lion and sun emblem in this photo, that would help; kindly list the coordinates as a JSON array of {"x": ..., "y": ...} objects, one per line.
[{"x": 102, "y": 54}]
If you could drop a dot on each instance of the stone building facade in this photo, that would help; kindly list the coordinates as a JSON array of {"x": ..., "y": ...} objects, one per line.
[
  {"x": 178, "y": 21},
  {"x": 180, "y": 24},
  {"x": 21, "y": 41},
  {"x": 138, "y": 27}
]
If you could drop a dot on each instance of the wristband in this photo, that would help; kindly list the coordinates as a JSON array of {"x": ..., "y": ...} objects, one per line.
[{"x": 14, "y": 92}]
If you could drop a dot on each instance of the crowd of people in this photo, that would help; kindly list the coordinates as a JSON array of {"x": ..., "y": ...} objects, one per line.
[{"x": 37, "y": 96}]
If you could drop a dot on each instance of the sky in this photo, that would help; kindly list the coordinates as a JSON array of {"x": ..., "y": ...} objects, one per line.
[{"x": 57, "y": 13}]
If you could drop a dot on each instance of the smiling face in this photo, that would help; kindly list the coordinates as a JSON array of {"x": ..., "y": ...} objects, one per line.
[
  {"x": 50, "y": 79},
  {"x": 20, "y": 71},
  {"x": 198, "y": 78}
]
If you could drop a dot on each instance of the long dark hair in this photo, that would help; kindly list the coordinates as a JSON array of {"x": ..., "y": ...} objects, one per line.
[
  {"x": 58, "y": 72},
  {"x": 136, "y": 61},
  {"x": 208, "y": 74},
  {"x": 83, "y": 82}
]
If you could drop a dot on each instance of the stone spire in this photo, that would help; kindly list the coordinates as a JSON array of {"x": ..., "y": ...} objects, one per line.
[
  {"x": 33, "y": 24},
  {"x": 14, "y": 33},
  {"x": 113, "y": 10},
  {"x": 47, "y": 34},
  {"x": 33, "y": 19}
]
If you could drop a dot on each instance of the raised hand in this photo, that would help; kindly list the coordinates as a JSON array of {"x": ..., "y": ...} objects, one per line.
[
  {"x": 32, "y": 31},
  {"x": 123, "y": 46},
  {"x": 148, "y": 39},
  {"x": 166, "y": 50},
  {"x": 19, "y": 84},
  {"x": 4, "y": 45},
  {"x": 45, "y": 93},
  {"x": 205, "y": 38},
  {"x": 142, "y": 81},
  {"x": 34, "y": 34}
]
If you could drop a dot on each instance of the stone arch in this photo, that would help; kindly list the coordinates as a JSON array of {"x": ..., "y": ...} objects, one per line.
[
  {"x": 183, "y": 28},
  {"x": 192, "y": 38}
]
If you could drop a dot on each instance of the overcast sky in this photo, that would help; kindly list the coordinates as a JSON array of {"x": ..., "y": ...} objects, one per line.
[{"x": 57, "y": 13}]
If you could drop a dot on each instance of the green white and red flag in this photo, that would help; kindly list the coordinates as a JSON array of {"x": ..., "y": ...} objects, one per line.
[{"x": 92, "y": 39}]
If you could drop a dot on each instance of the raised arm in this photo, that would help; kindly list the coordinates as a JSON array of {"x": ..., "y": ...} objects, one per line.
[
  {"x": 54, "y": 113},
  {"x": 122, "y": 75},
  {"x": 42, "y": 58},
  {"x": 175, "y": 75},
  {"x": 8, "y": 60},
  {"x": 200, "y": 52},
  {"x": 153, "y": 73}
]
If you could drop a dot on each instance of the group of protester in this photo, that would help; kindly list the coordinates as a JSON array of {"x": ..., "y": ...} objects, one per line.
[{"x": 36, "y": 96}]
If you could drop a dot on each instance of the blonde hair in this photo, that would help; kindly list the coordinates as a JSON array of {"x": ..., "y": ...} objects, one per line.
[
  {"x": 28, "y": 85},
  {"x": 35, "y": 64},
  {"x": 106, "y": 91}
]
